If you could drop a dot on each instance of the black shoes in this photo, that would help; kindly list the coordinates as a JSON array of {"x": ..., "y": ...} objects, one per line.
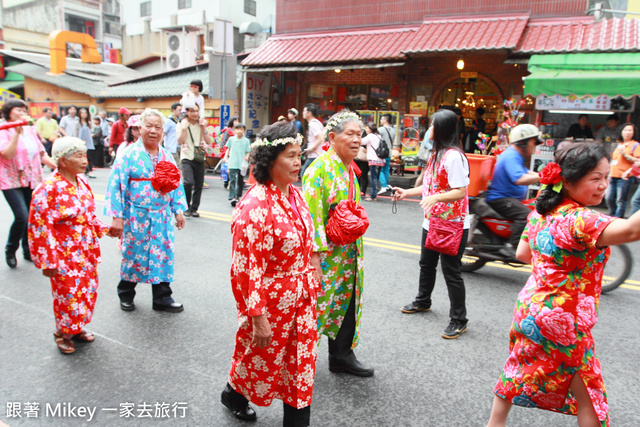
[
  {"x": 127, "y": 306},
  {"x": 174, "y": 307},
  {"x": 351, "y": 366},
  {"x": 27, "y": 256},
  {"x": 187, "y": 212},
  {"x": 12, "y": 262},
  {"x": 242, "y": 412},
  {"x": 412, "y": 308},
  {"x": 234, "y": 202},
  {"x": 195, "y": 214},
  {"x": 455, "y": 329}
]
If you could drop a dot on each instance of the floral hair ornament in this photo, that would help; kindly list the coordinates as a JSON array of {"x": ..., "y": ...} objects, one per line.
[
  {"x": 66, "y": 145},
  {"x": 263, "y": 142},
  {"x": 550, "y": 175},
  {"x": 339, "y": 118}
]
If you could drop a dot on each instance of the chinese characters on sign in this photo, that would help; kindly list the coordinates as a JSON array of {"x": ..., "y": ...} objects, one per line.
[
  {"x": 572, "y": 102},
  {"x": 123, "y": 410},
  {"x": 257, "y": 103}
]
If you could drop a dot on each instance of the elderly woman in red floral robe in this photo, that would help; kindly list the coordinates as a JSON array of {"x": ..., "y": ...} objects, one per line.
[
  {"x": 63, "y": 239},
  {"x": 274, "y": 286}
]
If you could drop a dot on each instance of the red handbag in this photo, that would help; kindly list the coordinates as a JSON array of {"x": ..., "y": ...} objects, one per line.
[
  {"x": 444, "y": 236},
  {"x": 347, "y": 220}
]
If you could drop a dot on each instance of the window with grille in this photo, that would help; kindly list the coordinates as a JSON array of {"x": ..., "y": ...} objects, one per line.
[
  {"x": 184, "y": 4},
  {"x": 145, "y": 9},
  {"x": 250, "y": 7}
]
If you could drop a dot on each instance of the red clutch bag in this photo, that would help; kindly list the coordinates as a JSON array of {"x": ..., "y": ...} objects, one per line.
[{"x": 347, "y": 220}]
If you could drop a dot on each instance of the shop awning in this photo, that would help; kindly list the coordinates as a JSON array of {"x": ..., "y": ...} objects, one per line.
[
  {"x": 348, "y": 47},
  {"x": 581, "y": 74},
  {"x": 480, "y": 32}
]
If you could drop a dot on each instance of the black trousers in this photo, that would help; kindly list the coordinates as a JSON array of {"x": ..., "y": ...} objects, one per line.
[
  {"x": 19, "y": 200},
  {"x": 364, "y": 177},
  {"x": 340, "y": 348},
  {"x": 512, "y": 209},
  {"x": 193, "y": 180},
  {"x": 90, "y": 157},
  {"x": 293, "y": 417},
  {"x": 161, "y": 292},
  {"x": 450, "y": 265}
]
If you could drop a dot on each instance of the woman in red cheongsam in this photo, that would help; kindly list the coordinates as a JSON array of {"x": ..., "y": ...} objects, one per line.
[
  {"x": 274, "y": 286},
  {"x": 552, "y": 362},
  {"x": 63, "y": 239}
]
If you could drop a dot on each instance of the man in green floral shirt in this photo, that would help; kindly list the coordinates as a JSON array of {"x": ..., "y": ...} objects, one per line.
[{"x": 326, "y": 183}]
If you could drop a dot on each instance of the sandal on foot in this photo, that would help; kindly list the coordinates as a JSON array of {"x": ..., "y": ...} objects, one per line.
[
  {"x": 64, "y": 345},
  {"x": 84, "y": 336},
  {"x": 367, "y": 198}
]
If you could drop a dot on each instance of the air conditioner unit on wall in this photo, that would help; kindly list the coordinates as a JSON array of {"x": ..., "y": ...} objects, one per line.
[{"x": 182, "y": 49}]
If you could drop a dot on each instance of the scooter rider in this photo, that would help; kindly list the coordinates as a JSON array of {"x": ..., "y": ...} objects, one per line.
[{"x": 510, "y": 180}]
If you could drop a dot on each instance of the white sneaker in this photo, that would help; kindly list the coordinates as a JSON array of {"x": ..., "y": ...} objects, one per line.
[{"x": 382, "y": 191}]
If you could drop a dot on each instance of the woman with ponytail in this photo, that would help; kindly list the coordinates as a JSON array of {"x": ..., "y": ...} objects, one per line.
[{"x": 552, "y": 363}]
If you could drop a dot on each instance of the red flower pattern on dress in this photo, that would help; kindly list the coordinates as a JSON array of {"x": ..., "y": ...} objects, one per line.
[
  {"x": 63, "y": 235},
  {"x": 550, "y": 338},
  {"x": 271, "y": 274}
]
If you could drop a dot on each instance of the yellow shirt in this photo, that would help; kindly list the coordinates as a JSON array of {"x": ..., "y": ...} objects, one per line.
[{"x": 46, "y": 127}]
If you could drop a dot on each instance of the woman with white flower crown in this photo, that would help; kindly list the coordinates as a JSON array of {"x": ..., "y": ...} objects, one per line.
[
  {"x": 274, "y": 284},
  {"x": 327, "y": 183}
]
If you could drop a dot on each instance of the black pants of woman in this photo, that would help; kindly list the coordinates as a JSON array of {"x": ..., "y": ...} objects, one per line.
[
  {"x": 293, "y": 417},
  {"x": 19, "y": 200},
  {"x": 90, "y": 159},
  {"x": 364, "y": 177},
  {"x": 452, "y": 276},
  {"x": 193, "y": 180}
]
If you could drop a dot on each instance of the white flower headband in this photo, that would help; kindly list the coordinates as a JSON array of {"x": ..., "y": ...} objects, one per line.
[
  {"x": 339, "y": 118},
  {"x": 280, "y": 141},
  {"x": 66, "y": 145}
]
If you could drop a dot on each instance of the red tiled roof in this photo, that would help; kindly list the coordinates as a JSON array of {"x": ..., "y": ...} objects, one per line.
[
  {"x": 333, "y": 48},
  {"x": 514, "y": 32},
  {"x": 580, "y": 35},
  {"x": 468, "y": 33}
]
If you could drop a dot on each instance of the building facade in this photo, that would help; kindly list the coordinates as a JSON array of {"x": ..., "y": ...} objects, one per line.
[
  {"x": 162, "y": 35},
  {"x": 410, "y": 57},
  {"x": 26, "y": 24}
]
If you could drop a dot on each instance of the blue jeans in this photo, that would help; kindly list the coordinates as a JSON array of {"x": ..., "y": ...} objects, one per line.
[
  {"x": 617, "y": 196},
  {"x": 19, "y": 200},
  {"x": 635, "y": 201},
  {"x": 236, "y": 184},
  {"x": 375, "y": 180},
  {"x": 384, "y": 173}
]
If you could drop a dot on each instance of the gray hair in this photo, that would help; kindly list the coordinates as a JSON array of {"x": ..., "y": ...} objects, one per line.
[
  {"x": 338, "y": 121},
  {"x": 151, "y": 112}
]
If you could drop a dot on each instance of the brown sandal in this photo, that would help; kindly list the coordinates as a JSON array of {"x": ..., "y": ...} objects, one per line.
[
  {"x": 84, "y": 336},
  {"x": 64, "y": 345}
]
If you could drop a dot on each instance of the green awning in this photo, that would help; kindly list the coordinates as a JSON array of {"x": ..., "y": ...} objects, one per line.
[{"x": 581, "y": 74}]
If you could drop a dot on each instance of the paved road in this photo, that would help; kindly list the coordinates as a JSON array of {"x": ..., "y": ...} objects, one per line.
[{"x": 168, "y": 365}]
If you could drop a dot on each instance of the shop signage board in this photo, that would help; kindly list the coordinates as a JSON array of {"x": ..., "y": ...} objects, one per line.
[
  {"x": 6, "y": 95},
  {"x": 573, "y": 102},
  {"x": 35, "y": 108},
  {"x": 257, "y": 102}
]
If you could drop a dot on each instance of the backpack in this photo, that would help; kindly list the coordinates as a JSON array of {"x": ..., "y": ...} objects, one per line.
[{"x": 382, "y": 151}]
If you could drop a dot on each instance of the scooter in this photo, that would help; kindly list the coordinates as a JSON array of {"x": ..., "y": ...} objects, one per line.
[{"x": 489, "y": 232}]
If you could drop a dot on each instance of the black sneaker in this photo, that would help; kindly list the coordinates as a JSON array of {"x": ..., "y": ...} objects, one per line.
[
  {"x": 455, "y": 329},
  {"x": 187, "y": 212},
  {"x": 412, "y": 308},
  {"x": 234, "y": 202}
]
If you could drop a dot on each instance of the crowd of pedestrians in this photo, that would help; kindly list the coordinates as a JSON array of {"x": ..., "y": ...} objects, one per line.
[{"x": 292, "y": 279}]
